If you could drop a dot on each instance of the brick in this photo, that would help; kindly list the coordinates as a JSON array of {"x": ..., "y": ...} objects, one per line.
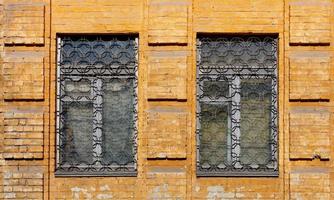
[
  {"x": 304, "y": 125},
  {"x": 310, "y": 75},
  {"x": 310, "y": 184},
  {"x": 168, "y": 21},
  {"x": 118, "y": 16},
  {"x": 216, "y": 16},
  {"x": 18, "y": 186},
  {"x": 23, "y": 74},
  {"x": 167, "y": 75},
  {"x": 166, "y": 130},
  {"x": 310, "y": 23},
  {"x": 167, "y": 32},
  {"x": 166, "y": 183},
  {"x": 24, "y": 23},
  {"x": 22, "y": 141}
]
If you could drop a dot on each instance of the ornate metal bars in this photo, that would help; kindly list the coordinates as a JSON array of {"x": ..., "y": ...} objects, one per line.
[
  {"x": 237, "y": 115},
  {"x": 97, "y": 106}
]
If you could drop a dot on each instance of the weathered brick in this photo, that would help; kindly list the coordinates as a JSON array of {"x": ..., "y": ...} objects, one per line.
[
  {"x": 114, "y": 16},
  {"x": 310, "y": 75},
  {"x": 216, "y": 16},
  {"x": 166, "y": 183},
  {"x": 168, "y": 21},
  {"x": 310, "y": 183},
  {"x": 310, "y": 22},
  {"x": 167, "y": 32},
  {"x": 166, "y": 130},
  {"x": 25, "y": 183},
  {"x": 23, "y": 74},
  {"x": 22, "y": 140},
  {"x": 167, "y": 75},
  {"x": 305, "y": 123},
  {"x": 24, "y": 23}
]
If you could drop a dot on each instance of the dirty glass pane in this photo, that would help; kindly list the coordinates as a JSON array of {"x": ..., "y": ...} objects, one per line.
[
  {"x": 118, "y": 118},
  {"x": 78, "y": 129},
  {"x": 83, "y": 55},
  {"x": 238, "y": 52},
  {"x": 215, "y": 90},
  {"x": 77, "y": 89},
  {"x": 96, "y": 104},
  {"x": 255, "y": 121},
  {"x": 214, "y": 135},
  {"x": 241, "y": 71}
]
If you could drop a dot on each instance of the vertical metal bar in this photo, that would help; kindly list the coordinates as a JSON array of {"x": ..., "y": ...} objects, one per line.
[
  {"x": 273, "y": 120},
  {"x": 58, "y": 108},
  {"x": 198, "y": 107},
  {"x": 98, "y": 121},
  {"x": 135, "y": 114},
  {"x": 229, "y": 129},
  {"x": 236, "y": 122}
]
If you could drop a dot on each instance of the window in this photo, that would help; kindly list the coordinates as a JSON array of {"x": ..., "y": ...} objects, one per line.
[
  {"x": 237, "y": 106},
  {"x": 97, "y": 106}
]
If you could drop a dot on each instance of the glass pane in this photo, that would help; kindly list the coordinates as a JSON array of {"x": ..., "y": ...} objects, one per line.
[
  {"x": 98, "y": 55},
  {"x": 118, "y": 122},
  {"x": 244, "y": 52},
  {"x": 78, "y": 89},
  {"x": 215, "y": 90},
  {"x": 255, "y": 121},
  {"x": 214, "y": 135},
  {"x": 78, "y": 129}
]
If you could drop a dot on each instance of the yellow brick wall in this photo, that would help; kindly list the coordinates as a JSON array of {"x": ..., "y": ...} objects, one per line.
[{"x": 167, "y": 31}]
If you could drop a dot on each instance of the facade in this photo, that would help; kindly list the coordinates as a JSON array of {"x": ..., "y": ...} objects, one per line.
[{"x": 166, "y": 99}]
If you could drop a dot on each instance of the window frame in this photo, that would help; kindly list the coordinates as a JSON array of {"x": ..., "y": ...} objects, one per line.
[
  {"x": 241, "y": 73},
  {"x": 97, "y": 81}
]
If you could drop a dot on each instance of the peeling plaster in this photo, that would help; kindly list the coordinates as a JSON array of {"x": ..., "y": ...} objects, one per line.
[
  {"x": 160, "y": 192},
  {"x": 104, "y": 188},
  {"x": 297, "y": 196},
  {"x": 197, "y": 188},
  {"x": 104, "y": 196},
  {"x": 218, "y": 193},
  {"x": 76, "y": 193},
  {"x": 239, "y": 195},
  {"x": 83, "y": 193}
]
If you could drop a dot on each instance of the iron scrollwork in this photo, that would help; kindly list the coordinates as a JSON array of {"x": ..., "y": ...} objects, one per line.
[
  {"x": 97, "y": 106},
  {"x": 237, "y": 131}
]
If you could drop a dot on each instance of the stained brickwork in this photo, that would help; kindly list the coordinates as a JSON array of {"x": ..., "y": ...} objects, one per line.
[
  {"x": 308, "y": 56},
  {"x": 23, "y": 74},
  {"x": 310, "y": 22},
  {"x": 304, "y": 124},
  {"x": 309, "y": 184},
  {"x": 167, "y": 75},
  {"x": 166, "y": 183},
  {"x": 167, "y": 133},
  {"x": 310, "y": 75},
  {"x": 25, "y": 183},
  {"x": 23, "y": 134},
  {"x": 24, "y": 23},
  {"x": 2, "y": 162},
  {"x": 168, "y": 21},
  {"x": 216, "y": 16},
  {"x": 166, "y": 142}
]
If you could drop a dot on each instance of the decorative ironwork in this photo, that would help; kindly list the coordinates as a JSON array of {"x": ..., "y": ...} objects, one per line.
[
  {"x": 237, "y": 115},
  {"x": 97, "y": 106}
]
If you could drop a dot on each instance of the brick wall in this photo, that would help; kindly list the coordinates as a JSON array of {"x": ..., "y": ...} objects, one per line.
[{"x": 167, "y": 32}]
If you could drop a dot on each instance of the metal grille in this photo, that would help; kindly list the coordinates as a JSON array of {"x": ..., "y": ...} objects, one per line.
[
  {"x": 237, "y": 106},
  {"x": 97, "y": 106}
]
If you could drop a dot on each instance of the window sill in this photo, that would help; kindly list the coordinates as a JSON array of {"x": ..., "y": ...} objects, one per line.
[
  {"x": 95, "y": 174},
  {"x": 237, "y": 174}
]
